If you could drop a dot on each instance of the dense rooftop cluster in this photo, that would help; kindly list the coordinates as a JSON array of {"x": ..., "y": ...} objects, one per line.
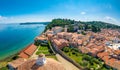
[{"x": 103, "y": 45}]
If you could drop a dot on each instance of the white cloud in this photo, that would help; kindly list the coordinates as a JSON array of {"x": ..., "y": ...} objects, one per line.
[
  {"x": 83, "y": 13},
  {"x": 111, "y": 20},
  {"x": 2, "y": 18}
]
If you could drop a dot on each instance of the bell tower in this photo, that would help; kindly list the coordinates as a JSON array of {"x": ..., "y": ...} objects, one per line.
[{"x": 41, "y": 60}]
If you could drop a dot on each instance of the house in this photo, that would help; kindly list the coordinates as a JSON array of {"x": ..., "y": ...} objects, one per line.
[
  {"x": 15, "y": 64},
  {"x": 61, "y": 35},
  {"x": 114, "y": 46},
  {"x": 57, "y": 29},
  {"x": 117, "y": 52},
  {"x": 79, "y": 42},
  {"x": 64, "y": 35},
  {"x": 41, "y": 40},
  {"x": 68, "y": 36},
  {"x": 84, "y": 49},
  {"x": 93, "y": 52},
  {"x": 102, "y": 54},
  {"x": 50, "y": 36},
  {"x": 76, "y": 27},
  {"x": 27, "y": 52},
  {"x": 60, "y": 43},
  {"x": 106, "y": 58},
  {"x": 113, "y": 63},
  {"x": 117, "y": 64},
  {"x": 49, "y": 32}
]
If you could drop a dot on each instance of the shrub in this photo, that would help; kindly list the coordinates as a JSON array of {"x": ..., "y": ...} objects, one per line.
[{"x": 4, "y": 68}]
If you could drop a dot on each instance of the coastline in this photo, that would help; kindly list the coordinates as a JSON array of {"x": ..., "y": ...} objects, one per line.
[
  {"x": 10, "y": 57},
  {"x": 15, "y": 48}
]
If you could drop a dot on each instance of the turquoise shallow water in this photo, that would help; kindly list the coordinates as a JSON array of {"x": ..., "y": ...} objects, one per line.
[{"x": 15, "y": 37}]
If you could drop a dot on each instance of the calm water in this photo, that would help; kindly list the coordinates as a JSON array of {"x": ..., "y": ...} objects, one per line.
[{"x": 14, "y": 37}]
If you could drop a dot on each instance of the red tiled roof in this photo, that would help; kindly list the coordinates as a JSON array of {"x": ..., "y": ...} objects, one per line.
[
  {"x": 31, "y": 49},
  {"x": 23, "y": 55},
  {"x": 117, "y": 64},
  {"x": 80, "y": 41},
  {"x": 60, "y": 43},
  {"x": 112, "y": 60},
  {"x": 113, "y": 63},
  {"x": 106, "y": 58},
  {"x": 102, "y": 54},
  {"x": 28, "y": 51},
  {"x": 117, "y": 52}
]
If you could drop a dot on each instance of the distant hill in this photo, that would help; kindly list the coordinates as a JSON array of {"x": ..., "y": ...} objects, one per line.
[
  {"x": 102, "y": 24},
  {"x": 93, "y": 25},
  {"x": 33, "y": 23}
]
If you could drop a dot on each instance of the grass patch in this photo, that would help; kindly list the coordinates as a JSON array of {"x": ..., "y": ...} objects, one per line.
[
  {"x": 43, "y": 49},
  {"x": 46, "y": 50},
  {"x": 86, "y": 61},
  {"x": 4, "y": 68}
]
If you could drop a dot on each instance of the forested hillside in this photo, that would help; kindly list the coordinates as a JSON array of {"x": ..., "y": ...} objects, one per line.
[{"x": 95, "y": 26}]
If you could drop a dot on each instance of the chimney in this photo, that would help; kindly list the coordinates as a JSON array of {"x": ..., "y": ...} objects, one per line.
[{"x": 41, "y": 60}]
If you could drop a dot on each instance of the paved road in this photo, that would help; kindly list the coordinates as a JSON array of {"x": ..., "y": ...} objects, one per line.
[{"x": 66, "y": 64}]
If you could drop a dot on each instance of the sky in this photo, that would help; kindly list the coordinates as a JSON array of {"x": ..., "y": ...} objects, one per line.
[{"x": 16, "y": 11}]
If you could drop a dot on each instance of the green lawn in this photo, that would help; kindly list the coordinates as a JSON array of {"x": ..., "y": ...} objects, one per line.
[
  {"x": 43, "y": 49},
  {"x": 84, "y": 60},
  {"x": 47, "y": 50}
]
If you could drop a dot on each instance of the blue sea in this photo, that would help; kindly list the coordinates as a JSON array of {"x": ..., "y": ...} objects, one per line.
[{"x": 15, "y": 37}]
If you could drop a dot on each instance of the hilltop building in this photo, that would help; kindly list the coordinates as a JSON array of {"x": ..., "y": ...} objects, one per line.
[{"x": 57, "y": 29}]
